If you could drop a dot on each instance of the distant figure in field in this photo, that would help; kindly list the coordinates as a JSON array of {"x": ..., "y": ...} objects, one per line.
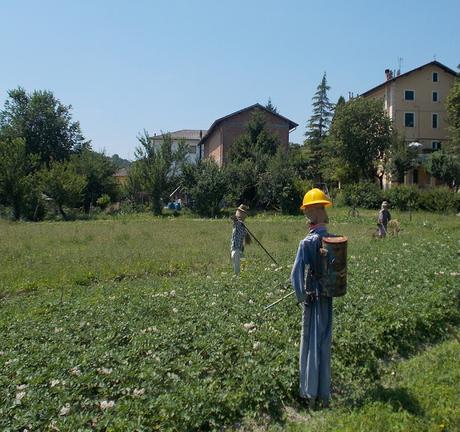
[
  {"x": 239, "y": 236},
  {"x": 383, "y": 218}
]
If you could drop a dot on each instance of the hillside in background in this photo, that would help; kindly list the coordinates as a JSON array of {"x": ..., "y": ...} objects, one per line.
[{"x": 120, "y": 162}]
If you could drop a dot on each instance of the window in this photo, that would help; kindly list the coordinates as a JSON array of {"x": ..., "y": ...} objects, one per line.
[
  {"x": 434, "y": 121},
  {"x": 409, "y": 119},
  {"x": 435, "y": 77},
  {"x": 192, "y": 149},
  {"x": 436, "y": 145},
  {"x": 409, "y": 95},
  {"x": 435, "y": 96},
  {"x": 415, "y": 176}
]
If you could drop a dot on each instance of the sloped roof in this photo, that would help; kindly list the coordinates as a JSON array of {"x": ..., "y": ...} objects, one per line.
[
  {"x": 191, "y": 134},
  {"x": 292, "y": 124},
  {"x": 122, "y": 172},
  {"x": 433, "y": 63}
]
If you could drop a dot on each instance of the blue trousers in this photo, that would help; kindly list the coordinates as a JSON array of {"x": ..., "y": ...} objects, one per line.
[{"x": 315, "y": 349}]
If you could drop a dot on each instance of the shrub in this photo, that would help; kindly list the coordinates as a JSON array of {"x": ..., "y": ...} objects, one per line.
[
  {"x": 291, "y": 195},
  {"x": 366, "y": 195},
  {"x": 205, "y": 184},
  {"x": 279, "y": 187},
  {"x": 439, "y": 199},
  {"x": 403, "y": 197},
  {"x": 103, "y": 201}
]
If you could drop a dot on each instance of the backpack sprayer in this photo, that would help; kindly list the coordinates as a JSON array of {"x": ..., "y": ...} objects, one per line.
[
  {"x": 332, "y": 277},
  {"x": 333, "y": 272}
]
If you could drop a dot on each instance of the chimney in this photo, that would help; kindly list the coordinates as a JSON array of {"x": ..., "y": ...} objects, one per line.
[{"x": 388, "y": 74}]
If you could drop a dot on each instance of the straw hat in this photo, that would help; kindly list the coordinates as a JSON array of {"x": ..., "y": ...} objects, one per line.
[{"x": 243, "y": 208}]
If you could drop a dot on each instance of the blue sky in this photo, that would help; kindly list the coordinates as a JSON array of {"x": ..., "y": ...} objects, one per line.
[{"x": 168, "y": 65}]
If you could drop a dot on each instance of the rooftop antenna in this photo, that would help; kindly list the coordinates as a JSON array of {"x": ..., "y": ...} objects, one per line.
[
  {"x": 400, "y": 62},
  {"x": 434, "y": 56}
]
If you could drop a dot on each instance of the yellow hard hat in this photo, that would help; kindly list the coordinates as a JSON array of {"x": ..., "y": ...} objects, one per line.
[{"x": 315, "y": 196}]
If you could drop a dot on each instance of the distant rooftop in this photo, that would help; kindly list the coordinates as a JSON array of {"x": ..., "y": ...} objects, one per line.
[
  {"x": 188, "y": 134},
  {"x": 392, "y": 78},
  {"x": 292, "y": 125},
  {"x": 123, "y": 172}
]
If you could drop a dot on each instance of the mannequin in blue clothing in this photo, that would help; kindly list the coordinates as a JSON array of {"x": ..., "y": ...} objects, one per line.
[{"x": 316, "y": 337}]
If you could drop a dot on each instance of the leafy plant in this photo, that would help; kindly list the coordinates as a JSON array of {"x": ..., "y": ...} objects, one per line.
[{"x": 150, "y": 332}]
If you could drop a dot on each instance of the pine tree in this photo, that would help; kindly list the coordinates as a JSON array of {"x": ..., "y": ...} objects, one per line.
[
  {"x": 340, "y": 103},
  {"x": 271, "y": 107},
  {"x": 318, "y": 126}
]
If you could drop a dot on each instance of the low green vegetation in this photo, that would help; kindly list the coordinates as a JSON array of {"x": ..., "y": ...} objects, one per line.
[
  {"x": 152, "y": 332},
  {"x": 421, "y": 394}
]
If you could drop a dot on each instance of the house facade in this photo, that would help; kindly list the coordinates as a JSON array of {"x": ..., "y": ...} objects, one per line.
[
  {"x": 415, "y": 101},
  {"x": 216, "y": 143},
  {"x": 191, "y": 137},
  {"x": 121, "y": 176}
]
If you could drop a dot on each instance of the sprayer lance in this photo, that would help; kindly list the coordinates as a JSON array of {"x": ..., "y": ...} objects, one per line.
[
  {"x": 278, "y": 301},
  {"x": 260, "y": 244}
]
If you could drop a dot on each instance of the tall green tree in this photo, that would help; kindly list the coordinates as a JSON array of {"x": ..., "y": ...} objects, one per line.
[
  {"x": 300, "y": 161},
  {"x": 279, "y": 187},
  {"x": 98, "y": 169},
  {"x": 401, "y": 158},
  {"x": 453, "y": 118},
  {"x": 158, "y": 168},
  {"x": 153, "y": 165},
  {"x": 331, "y": 166},
  {"x": 360, "y": 135},
  {"x": 43, "y": 122},
  {"x": 133, "y": 188},
  {"x": 63, "y": 184},
  {"x": 16, "y": 175},
  {"x": 206, "y": 186},
  {"x": 340, "y": 103},
  {"x": 119, "y": 162},
  {"x": 318, "y": 126},
  {"x": 249, "y": 157},
  {"x": 256, "y": 143},
  {"x": 445, "y": 167}
]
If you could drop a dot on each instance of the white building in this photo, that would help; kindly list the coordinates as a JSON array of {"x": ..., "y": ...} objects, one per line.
[{"x": 191, "y": 137}]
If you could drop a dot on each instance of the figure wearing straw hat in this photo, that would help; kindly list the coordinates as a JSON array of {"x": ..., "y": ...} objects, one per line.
[
  {"x": 316, "y": 337},
  {"x": 239, "y": 237}
]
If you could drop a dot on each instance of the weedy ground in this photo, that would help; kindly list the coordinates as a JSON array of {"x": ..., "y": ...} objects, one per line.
[{"x": 136, "y": 323}]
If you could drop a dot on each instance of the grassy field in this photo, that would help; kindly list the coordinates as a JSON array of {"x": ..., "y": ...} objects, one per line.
[
  {"x": 420, "y": 395},
  {"x": 136, "y": 323}
]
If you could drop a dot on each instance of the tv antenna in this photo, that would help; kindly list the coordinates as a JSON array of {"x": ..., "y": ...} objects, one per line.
[{"x": 400, "y": 62}]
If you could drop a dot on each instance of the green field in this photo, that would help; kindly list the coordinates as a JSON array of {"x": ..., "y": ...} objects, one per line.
[{"x": 136, "y": 323}]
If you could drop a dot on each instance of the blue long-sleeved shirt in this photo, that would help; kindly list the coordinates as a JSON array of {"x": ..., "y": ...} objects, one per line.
[
  {"x": 308, "y": 255},
  {"x": 316, "y": 337}
]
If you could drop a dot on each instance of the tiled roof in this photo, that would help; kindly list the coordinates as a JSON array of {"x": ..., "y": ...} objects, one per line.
[
  {"x": 292, "y": 125},
  {"x": 188, "y": 134},
  {"x": 433, "y": 63},
  {"x": 123, "y": 172}
]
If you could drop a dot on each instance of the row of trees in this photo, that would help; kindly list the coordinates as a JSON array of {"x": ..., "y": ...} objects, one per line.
[
  {"x": 259, "y": 173},
  {"x": 44, "y": 158}
]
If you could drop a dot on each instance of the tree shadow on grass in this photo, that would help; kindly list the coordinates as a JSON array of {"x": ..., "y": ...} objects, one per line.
[{"x": 399, "y": 399}]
